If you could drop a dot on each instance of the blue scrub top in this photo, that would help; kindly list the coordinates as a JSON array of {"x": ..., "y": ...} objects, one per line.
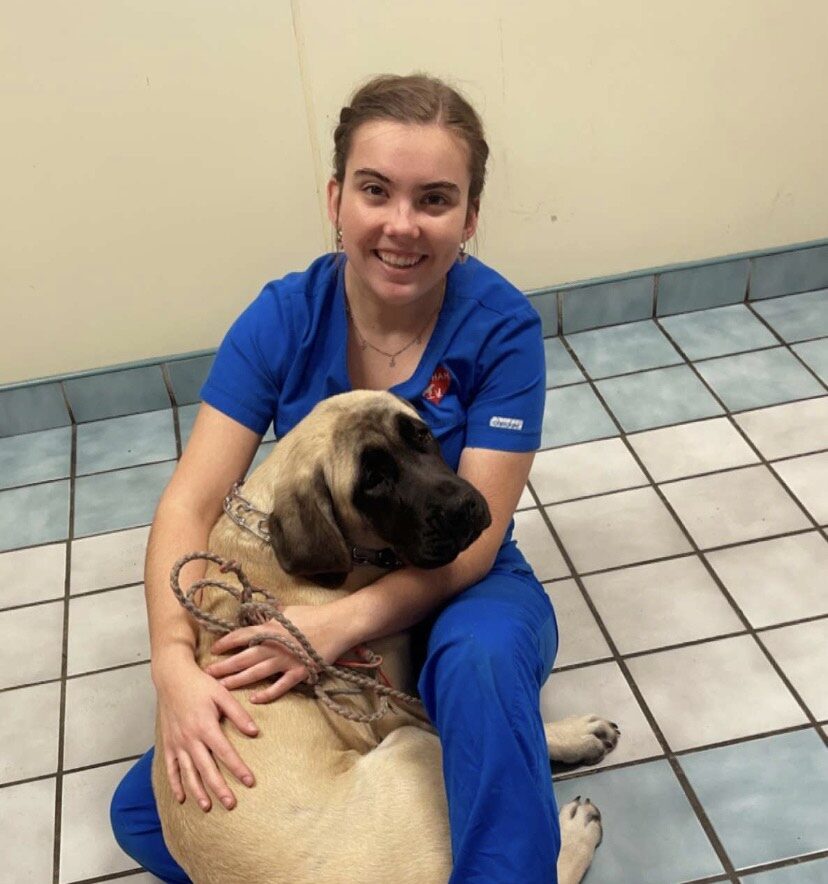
[{"x": 480, "y": 382}]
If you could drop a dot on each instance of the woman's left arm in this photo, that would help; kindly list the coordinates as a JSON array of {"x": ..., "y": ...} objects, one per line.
[{"x": 394, "y": 602}]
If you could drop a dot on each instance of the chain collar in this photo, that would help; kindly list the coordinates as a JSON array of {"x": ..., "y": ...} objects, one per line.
[{"x": 246, "y": 516}]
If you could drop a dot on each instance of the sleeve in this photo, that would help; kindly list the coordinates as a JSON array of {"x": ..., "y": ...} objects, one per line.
[
  {"x": 507, "y": 411},
  {"x": 246, "y": 376}
]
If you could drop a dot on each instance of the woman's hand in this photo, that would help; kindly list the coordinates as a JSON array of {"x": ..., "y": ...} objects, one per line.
[
  {"x": 190, "y": 706},
  {"x": 253, "y": 664}
]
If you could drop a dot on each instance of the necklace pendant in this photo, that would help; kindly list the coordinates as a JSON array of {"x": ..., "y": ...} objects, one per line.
[{"x": 393, "y": 362}]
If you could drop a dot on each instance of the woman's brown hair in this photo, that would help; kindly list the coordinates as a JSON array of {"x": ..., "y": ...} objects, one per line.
[{"x": 417, "y": 98}]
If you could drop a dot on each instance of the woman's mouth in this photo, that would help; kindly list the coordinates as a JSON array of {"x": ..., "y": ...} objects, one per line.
[{"x": 399, "y": 262}]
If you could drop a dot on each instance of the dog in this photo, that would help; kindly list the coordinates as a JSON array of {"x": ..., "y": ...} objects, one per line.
[{"x": 338, "y": 801}]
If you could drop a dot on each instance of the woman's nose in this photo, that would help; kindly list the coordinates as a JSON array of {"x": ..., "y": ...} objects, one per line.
[{"x": 401, "y": 221}]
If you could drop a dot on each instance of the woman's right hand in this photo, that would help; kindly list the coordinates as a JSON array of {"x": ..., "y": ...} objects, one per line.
[{"x": 190, "y": 706}]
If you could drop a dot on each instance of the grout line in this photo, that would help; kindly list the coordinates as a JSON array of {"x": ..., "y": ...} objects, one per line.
[{"x": 58, "y": 818}]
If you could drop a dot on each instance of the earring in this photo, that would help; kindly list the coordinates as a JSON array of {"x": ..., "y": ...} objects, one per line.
[
  {"x": 339, "y": 246},
  {"x": 461, "y": 255}
]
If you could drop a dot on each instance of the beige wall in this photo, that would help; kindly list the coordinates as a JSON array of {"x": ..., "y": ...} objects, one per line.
[{"x": 160, "y": 161}]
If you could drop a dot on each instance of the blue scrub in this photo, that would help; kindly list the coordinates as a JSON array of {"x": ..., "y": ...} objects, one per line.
[{"x": 481, "y": 384}]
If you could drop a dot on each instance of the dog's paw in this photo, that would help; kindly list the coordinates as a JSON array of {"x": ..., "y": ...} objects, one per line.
[
  {"x": 581, "y": 739},
  {"x": 581, "y": 833}
]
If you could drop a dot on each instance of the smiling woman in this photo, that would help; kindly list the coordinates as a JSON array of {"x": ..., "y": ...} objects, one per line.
[{"x": 399, "y": 307}]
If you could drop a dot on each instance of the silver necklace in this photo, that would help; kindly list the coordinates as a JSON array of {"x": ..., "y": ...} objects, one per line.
[{"x": 392, "y": 357}]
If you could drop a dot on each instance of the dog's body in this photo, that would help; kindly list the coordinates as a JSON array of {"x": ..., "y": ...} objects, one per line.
[{"x": 338, "y": 801}]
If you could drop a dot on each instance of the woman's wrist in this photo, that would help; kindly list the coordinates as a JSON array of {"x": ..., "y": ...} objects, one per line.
[{"x": 170, "y": 659}]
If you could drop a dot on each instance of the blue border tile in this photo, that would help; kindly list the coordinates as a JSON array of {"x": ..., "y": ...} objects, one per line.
[
  {"x": 35, "y": 457},
  {"x": 698, "y": 288},
  {"x": 33, "y": 408},
  {"x": 789, "y": 272},
  {"x": 546, "y": 303},
  {"x": 121, "y": 499},
  {"x": 797, "y": 317},
  {"x": 766, "y": 797},
  {"x": 651, "y": 834},
  {"x": 609, "y": 303},
  {"x": 34, "y": 515},
  {"x": 620, "y": 349},
  {"x": 117, "y": 393},
  {"x": 574, "y": 414},
  {"x": 718, "y": 332},
  {"x": 560, "y": 366},
  {"x": 128, "y": 441},
  {"x": 658, "y": 398},
  {"x": 813, "y": 872},
  {"x": 764, "y": 377},
  {"x": 187, "y": 377},
  {"x": 814, "y": 354}
]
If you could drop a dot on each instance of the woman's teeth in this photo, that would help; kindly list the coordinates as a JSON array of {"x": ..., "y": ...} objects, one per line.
[{"x": 397, "y": 261}]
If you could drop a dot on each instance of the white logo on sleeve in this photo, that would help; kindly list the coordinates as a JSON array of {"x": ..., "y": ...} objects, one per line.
[{"x": 506, "y": 423}]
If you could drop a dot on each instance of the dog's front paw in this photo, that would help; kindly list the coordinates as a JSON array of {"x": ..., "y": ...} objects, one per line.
[
  {"x": 581, "y": 833},
  {"x": 581, "y": 739}
]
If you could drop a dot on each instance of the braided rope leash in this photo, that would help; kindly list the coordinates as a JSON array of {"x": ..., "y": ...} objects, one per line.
[{"x": 255, "y": 613}]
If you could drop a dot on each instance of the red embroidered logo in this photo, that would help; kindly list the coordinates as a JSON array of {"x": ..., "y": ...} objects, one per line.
[{"x": 438, "y": 385}]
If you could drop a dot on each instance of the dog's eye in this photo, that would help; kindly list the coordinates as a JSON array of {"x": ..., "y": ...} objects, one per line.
[
  {"x": 423, "y": 435},
  {"x": 371, "y": 479}
]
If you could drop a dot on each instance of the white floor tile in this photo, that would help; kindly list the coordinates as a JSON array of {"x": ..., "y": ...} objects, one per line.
[
  {"x": 567, "y": 473},
  {"x": 601, "y": 690},
  {"x": 617, "y": 529},
  {"x": 108, "y": 560},
  {"x": 662, "y": 603},
  {"x": 802, "y": 653},
  {"x": 107, "y": 629},
  {"x": 579, "y": 637},
  {"x": 29, "y": 719},
  {"x": 807, "y": 477},
  {"x": 785, "y": 430},
  {"x": 537, "y": 544},
  {"x": 28, "y": 832},
  {"x": 776, "y": 580},
  {"x": 734, "y": 507},
  {"x": 692, "y": 449},
  {"x": 108, "y": 715},
  {"x": 31, "y": 644},
  {"x": 36, "y": 574},
  {"x": 87, "y": 846},
  {"x": 716, "y": 691}
]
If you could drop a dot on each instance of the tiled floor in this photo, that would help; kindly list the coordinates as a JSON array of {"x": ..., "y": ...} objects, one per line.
[{"x": 678, "y": 516}]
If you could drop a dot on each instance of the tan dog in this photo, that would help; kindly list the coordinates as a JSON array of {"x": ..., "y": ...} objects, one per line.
[{"x": 338, "y": 801}]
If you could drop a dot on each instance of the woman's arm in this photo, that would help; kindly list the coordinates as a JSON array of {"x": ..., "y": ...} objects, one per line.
[
  {"x": 394, "y": 602},
  {"x": 191, "y": 704}
]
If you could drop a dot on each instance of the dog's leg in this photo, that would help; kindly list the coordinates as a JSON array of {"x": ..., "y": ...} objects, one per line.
[
  {"x": 580, "y": 835},
  {"x": 580, "y": 739}
]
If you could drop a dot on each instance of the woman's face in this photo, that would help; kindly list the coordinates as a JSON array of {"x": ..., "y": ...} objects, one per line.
[{"x": 403, "y": 207}]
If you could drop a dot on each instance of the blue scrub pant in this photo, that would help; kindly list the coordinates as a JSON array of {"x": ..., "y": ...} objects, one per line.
[{"x": 488, "y": 653}]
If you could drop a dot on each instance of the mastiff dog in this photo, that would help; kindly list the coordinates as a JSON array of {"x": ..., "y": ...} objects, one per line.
[{"x": 336, "y": 800}]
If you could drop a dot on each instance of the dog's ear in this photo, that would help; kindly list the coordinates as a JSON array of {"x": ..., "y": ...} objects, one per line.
[{"x": 305, "y": 535}]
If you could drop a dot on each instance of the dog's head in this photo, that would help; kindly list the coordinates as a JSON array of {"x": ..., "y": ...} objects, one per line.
[{"x": 365, "y": 464}]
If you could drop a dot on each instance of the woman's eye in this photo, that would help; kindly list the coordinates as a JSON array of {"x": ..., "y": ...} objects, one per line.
[
  {"x": 436, "y": 199},
  {"x": 373, "y": 190}
]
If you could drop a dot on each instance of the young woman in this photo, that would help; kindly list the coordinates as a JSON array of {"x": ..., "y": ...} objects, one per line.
[{"x": 399, "y": 307}]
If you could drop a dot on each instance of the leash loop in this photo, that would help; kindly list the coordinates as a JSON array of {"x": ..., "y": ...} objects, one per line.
[{"x": 256, "y": 607}]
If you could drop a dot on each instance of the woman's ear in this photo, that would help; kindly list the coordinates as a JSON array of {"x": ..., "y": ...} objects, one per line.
[
  {"x": 305, "y": 535},
  {"x": 334, "y": 195},
  {"x": 472, "y": 212}
]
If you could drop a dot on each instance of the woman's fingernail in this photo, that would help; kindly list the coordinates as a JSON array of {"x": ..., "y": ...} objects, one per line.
[
  {"x": 227, "y": 802},
  {"x": 248, "y": 781},
  {"x": 204, "y": 805}
]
